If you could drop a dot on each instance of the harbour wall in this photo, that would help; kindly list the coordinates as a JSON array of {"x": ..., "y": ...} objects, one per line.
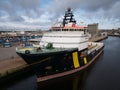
[
  {"x": 97, "y": 39},
  {"x": 11, "y": 65}
]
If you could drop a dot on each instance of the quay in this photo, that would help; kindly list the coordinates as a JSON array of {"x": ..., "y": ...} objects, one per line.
[
  {"x": 12, "y": 65},
  {"x": 114, "y": 35},
  {"x": 99, "y": 38}
]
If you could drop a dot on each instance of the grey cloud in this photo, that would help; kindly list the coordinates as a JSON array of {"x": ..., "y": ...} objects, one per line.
[
  {"x": 31, "y": 8},
  {"x": 94, "y": 5},
  {"x": 89, "y": 6},
  {"x": 6, "y": 7},
  {"x": 16, "y": 18},
  {"x": 115, "y": 10},
  {"x": 28, "y": 7},
  {"x": 9, "y": 9}
]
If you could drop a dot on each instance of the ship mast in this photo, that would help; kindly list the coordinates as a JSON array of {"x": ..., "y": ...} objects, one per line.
[{"x": 68, "y": 18}]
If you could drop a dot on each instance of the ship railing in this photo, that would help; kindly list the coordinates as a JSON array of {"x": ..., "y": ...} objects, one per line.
[{"x": 21, "y": 47}]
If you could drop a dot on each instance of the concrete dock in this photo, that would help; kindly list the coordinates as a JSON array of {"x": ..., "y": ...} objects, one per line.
[
  {"x": 11, "y": 65},
  {"x": 9, "y": 59},
  {"x": 7, "y": 53},
  {"x": 96, "y": 39}
]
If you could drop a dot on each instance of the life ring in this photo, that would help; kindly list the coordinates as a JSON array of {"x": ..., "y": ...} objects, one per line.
[{"x": 27, "y": 51}]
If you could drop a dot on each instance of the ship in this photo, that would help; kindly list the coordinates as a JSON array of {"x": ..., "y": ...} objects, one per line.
[{"x": 63, "y": 50}]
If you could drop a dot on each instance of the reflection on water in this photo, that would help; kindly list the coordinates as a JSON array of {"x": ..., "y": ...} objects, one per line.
[
  {"x": 106, "y": 74},
  {"x": 103, "y": 75},
  {"x": 72, "y": 83},
  {"x": 26, "y": 83}
]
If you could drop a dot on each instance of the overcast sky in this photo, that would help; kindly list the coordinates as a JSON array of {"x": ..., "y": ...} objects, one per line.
[{"x": 44, "y": 13}]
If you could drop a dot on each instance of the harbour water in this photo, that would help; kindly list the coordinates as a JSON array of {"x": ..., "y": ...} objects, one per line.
[{"x": 103, "y": 75}]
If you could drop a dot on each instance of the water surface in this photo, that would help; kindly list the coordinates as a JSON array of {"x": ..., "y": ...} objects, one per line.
[{"x": 103, "y": 75}]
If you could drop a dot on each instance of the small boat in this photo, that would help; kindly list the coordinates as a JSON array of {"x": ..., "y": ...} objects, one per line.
[{"x": 64, "y": 50}]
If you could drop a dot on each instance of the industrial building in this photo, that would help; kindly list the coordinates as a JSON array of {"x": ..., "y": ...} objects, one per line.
[{"x": 93, "y": 29}]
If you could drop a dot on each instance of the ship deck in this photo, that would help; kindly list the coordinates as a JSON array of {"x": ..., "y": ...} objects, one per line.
[{"x": 34, "y": 50}]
